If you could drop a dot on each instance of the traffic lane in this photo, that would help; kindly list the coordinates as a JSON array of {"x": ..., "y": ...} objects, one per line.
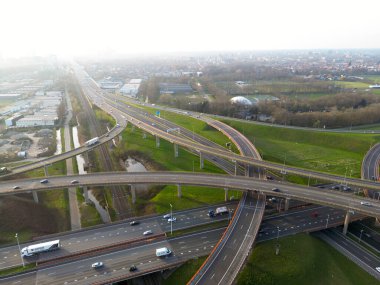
[
  {"x": 22, "y": 279},
  {"x": 365, "y": 234},
  {"x": 354, "y": 249},
  {"x": 249, "y": 237},
  {"x": 113, "y": 234},
  {"x": 308, "y": 194},
  {"x": 227, "y": 254},
  {"x": 117, "y": 264},
  {"x": 273, "y": 228}
]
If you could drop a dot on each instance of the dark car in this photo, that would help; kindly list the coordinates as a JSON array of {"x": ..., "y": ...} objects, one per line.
[
  {"x": 314, "y": 214},
  {"x": 211, "y": 213},
  {"x": 276, "y": 190},
  {"x": 134, "y": 223},
  {"x": 133, "y": 268}
]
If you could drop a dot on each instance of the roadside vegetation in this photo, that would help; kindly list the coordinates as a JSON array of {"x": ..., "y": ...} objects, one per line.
[
  {"x": 339, "y": 153},
  {"x": 20, "y": 214},
  {"x": 315, "y": 264},
  {"x": 183, "y": 274},
  {"x": 158, "y": 198}
]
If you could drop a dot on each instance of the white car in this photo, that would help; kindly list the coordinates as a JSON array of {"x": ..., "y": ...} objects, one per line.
[
  {"x": 378, "y": 269},
  {"x": 365, "y": 203},
  {"x": 97, "y": 264},
  {"x": 167, "y": 216},
  {"x": 148, "y": 232},
  {"x": 172, "y": 219}
]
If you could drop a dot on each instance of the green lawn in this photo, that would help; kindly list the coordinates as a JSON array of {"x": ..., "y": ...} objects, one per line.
[
  {"x": 162, "y": 158},
  {"x": 192, "y": 197},
  {"x": 192, "y": 124},
  {"x": 321, "y": 151},
  {"x": 303, "y": 259},
  {"x": 183, "y": 274}
]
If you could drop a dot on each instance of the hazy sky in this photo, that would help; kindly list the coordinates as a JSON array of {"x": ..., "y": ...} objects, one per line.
[{"x": 77, "y": 27}]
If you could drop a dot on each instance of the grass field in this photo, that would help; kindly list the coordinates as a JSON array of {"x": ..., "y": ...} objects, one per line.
[
  {"x": 192, "y": 124},
  {"x": 338, "y": 153},
  {"x": 303, "y": 259},
  {"x": 183, "y": 274},
  {"x": 163, "y": 158}
]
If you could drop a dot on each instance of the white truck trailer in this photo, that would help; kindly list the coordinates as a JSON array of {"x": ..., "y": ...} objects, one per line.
[
  {"x": 92, "y": 141},
  {"x": 163, "y": 251},
  {"x": 221, "y": 211},
  {"x": 40, "y": 247}
]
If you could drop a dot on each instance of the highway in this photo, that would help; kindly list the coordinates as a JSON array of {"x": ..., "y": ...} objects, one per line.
[
  {"x": 230, "y": 255},
  {"x": 288, "y": 223},
  {"x": 116, "y": 264},
  {"x": 185, "y": 142},
  {"x": 347, "y": 201},
  {"x": 365, "y": 259},
  {"x": 90, "y": 239}
]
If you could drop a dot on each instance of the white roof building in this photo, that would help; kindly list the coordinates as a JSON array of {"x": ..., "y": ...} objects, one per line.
[{"x": 36, "y": 121}]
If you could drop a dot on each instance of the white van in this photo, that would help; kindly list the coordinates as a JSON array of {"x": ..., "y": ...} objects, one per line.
[{"x": 163, "y": 251}]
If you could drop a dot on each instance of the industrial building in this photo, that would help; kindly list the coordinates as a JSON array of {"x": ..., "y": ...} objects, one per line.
[
  {"x": 37, "y": 121},
  {"x": 132, "y": 88},
  {"x": 174, "y": 88}
]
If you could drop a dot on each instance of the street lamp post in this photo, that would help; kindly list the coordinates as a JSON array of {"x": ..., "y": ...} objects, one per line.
[
  {"x": 361, "y": 232},
  {"x": 327, "y": 220},
  {"x": 19, "y": 249},
  {"x": 171, "y": 219}
]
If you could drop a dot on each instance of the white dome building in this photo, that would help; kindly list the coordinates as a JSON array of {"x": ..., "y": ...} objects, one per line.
[{"x": 241, "y": 100}]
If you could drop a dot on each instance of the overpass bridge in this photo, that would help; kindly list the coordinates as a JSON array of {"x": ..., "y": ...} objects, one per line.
[{"x": 346, "y": 201}]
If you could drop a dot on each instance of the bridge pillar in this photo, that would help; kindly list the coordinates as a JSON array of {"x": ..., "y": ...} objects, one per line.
[
  {"x": 46, "y": 170},
  {"x": 246, "y": 168},
  {"x": 85, "y": 194},
  {"x": 133, "y": 128},
  {"x": 175, "y": 150},
  {"x": 346, "y": 222},
  {"x": 35, "y": 196},
  {"x": 226, "y": 194},
  {"x": 157, "y": 141},
  {"x": 133, "y": 193},
  {"x": 287, "y": 202},
  {"x": 236, "y": 167},
  {"x": 144, "y": 135},
  {"x": 179, "y": 191},
  {"x": 201, "y": 161}
]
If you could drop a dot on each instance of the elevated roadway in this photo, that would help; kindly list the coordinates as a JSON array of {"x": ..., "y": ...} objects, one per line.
[{"x": 347, "y": 201}]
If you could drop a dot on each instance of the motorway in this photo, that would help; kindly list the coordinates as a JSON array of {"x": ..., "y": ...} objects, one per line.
[
  {"x": 225, "y": 262},
  {"x": 87, "y": 240},
  {"x": 365, "y": 259},
  {"x": 285, "y": 192},
  {"x": 288, "y": 224},
  {"x": 347, "y": 201},
  {"x": 185, "y": 142},
  {"x": 116, "y": 264}
]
